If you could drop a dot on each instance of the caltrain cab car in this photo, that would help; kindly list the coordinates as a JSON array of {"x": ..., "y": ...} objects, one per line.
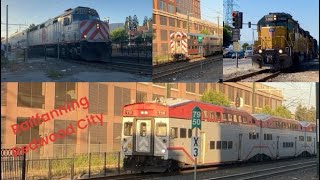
[
  {"x": 281, "y": 42},
  {"x": 78, "y": 34},
  {"x": 185, "y": 46},
  {"x": 156, "y": 136}
]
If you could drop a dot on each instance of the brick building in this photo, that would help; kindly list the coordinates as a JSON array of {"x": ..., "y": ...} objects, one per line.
[
  {"x": 22, "y": 100},
  {"x": 171, "y": 16}
]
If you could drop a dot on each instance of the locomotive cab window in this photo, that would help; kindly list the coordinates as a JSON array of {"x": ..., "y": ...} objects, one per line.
[
  {"x": 66, "y": 21},
  {"x": 128, "y": 129},
  {"x": 143, "y": 129},
  {"x": 161, "y": 129}
]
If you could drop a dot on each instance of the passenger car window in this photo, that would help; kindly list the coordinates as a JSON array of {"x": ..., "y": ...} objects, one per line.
[
  {"x": 174, "y": 132},
  {"x": 143, "y": 129},
  {"x": 183, "y": 132},
  {"x": 161, "y": 129}
]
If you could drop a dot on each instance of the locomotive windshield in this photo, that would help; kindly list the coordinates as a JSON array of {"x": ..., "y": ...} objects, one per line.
[{"x": 81, "y": 17}]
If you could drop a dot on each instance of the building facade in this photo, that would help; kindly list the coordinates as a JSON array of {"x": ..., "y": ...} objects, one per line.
[
  {"x": 22, "y": 100},
  {"x": 177, "y": 15}
]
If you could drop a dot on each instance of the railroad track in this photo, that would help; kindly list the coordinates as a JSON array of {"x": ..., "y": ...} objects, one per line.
[
  {"x": 263, "y": 173},
  {"x": 258, "y": 76},
  {"x": 170, "y": 71},
  {"x": 117, "y": 66}
]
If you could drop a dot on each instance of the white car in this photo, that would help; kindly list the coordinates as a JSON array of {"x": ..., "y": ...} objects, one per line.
[{"x": 248, "y": 52}]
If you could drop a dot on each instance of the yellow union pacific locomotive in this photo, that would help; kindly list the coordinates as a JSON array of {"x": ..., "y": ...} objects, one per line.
[{"x": 282, "y": 43}]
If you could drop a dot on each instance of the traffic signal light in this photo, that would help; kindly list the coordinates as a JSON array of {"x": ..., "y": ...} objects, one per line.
[
  {"x": 237, "y": 101},
  {"x": 249, "y": 24},
  {"x": 240, "y": 18},
  {"x": 235, "y": 19}
]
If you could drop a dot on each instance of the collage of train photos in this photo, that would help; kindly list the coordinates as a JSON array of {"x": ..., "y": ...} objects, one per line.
[{"x": 159, "y": 89}]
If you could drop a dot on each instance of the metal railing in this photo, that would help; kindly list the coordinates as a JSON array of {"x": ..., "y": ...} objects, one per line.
[{"x": 86, "y": 165}]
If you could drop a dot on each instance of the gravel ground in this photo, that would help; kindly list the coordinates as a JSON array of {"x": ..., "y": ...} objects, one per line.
[
  {"x": 308, "y": 173},
  {"x": 304, "y": 174},
  {"x": 37, "y": 69},
  {"x": 308, "y": 76},
  {"x": 209, "y": 73}
]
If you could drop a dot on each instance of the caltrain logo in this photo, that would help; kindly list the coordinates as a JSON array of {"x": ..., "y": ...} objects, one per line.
[{"x": 94, "y": 30}]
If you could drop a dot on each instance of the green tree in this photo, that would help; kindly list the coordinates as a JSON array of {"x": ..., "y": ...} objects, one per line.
[
  {"x": 227, "y": 33},
  {"x": 205, "y": 32},
  {"x": 280, "y": 111},
  {"x": 213, "y": 97},
  {"x": 118, "y": 35},
  {"x": 126, "y": 23},
  {"x": 145, "y": 21},
  {"x": 135, "y": 22},
  {"x": 303, "y": 113},
  {"x": 244, "y": 46}
]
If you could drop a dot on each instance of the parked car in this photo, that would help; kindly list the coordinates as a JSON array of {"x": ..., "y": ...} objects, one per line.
[
  {"x": 240, "y": 55},
  {"x": 228, "y": 55}
]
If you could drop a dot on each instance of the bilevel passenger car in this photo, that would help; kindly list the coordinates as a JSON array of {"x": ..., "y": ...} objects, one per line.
[
  {"x": 186, "y": 46},
  {"x": 156, "y": 136},
  {"x": 78, "y": 33},
  {"x": 282, "y": 43}
]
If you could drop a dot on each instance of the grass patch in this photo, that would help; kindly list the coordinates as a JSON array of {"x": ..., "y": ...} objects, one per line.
[
  {"x": 161, "y": 59},
  {"x": 53, "y": 74}
]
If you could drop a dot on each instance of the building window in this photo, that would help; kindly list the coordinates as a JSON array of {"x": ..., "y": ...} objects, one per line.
[
  {"x": 122, "y": 97},
  {"x": 202, "y": 87},
  {"x": 162, "y": 6},
  {"x": 63, "y": 124},
  {"x": 101, "y": 137},
  {"x": 231, "y": 93},
  {"x": 184, "y": 24},
  {"x": 163, "y": 20},
  {"x": 98, "y": 97},
  {"x": 178, "y": 23},
  {"x": 191, "y": 87},
  {"x": 25, "y": 137},
  {"x": 64, "y": 91},
  {"x": 172, "y": 22},
  {"x": 260, "y": 101},
  {"x": 3, "y": 94},
  {"x": 31, "y": 94},
  {"x": 164, "y": 35},
  {"x": 141, "y": 96},
  {"x": 183, "y": 132},
  {"x": 171, "y": 8}
]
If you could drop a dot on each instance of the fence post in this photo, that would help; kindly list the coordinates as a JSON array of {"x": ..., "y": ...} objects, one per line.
[
  {"x": 72, "y": 168},
  {"x": 119, "y": 162},
  {"x": 89, "y": 164},
  {"x": 105, "y": 163},
  {"x": 49, "y": 172},
  {"x": 24, "y": 166}
]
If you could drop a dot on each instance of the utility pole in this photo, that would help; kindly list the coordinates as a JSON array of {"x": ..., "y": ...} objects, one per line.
[{"x": 253, "y": 97}]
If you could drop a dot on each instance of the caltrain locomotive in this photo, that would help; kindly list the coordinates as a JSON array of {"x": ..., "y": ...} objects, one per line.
[
  {"x": 184, "y": 46},
  {"x": 156, "y": 136},
  {"x": 282, "y": 43},
  {"x": 78, "y": 33}
]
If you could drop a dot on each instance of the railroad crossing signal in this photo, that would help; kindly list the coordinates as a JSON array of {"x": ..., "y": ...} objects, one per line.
[
  {"x": 196, "y": 118},
  {"x": 199, "y": 39},
  {"x": 195, "y": 142}
]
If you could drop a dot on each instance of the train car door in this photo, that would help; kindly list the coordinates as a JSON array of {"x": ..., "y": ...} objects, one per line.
[
  {"x": 314, "y": 145},
  {"x": 143, "y": 136},
  {"x": 278, "y": 146},
  {"x": 240, "y": 146}
]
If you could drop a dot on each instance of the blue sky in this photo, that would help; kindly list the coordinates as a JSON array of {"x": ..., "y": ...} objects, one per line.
[
  {"x": 296, "y": 92},
  {"x": 38, "y": 11},
  {"x": 304, "y": 11},
  {"x": 211, "y": 10}
]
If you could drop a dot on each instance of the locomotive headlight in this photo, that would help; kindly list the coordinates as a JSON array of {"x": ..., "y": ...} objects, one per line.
[
  {"x": 280, "y": 51},
  {"x": 125, "y": 149},
  {"x": 85, "y": 36},
  {"x": 260, "y": 51},
  {"x": 163, "y": 151}
]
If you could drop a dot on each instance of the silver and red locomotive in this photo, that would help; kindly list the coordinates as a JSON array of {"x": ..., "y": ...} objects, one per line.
[
  {"x": 156, "y": 136},
  {"x": 78, "y": 33}
]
